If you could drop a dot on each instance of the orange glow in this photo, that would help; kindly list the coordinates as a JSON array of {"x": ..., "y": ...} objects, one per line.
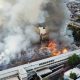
[
  {"x": 52, "y": 46},
  {"x": 64, "y": 50},
  {"x": 56, "y": 53}
]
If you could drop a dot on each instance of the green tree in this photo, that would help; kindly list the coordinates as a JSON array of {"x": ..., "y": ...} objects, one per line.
[
  {"x": 73, "y": 76},
  {"x": 73, "y": 60}
]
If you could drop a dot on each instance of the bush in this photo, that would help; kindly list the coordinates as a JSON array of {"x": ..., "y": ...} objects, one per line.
[
  {"x": 73, "y": 76},
  {"x": 73, "y": 60}
]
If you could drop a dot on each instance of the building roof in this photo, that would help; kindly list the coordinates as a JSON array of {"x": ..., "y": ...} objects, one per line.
[
  {"x": 78, "y": 79},
  {"x": 13, "y": 78},
  {"x": 45, "y": 71},
  {"x": 74, "y": 70}
]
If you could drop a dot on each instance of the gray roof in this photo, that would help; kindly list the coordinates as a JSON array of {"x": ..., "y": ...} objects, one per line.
[{"x": 78, "y": 66}]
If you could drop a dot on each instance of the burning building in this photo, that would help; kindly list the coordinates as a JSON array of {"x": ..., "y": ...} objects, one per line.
[{"x": 27, "y": 35}]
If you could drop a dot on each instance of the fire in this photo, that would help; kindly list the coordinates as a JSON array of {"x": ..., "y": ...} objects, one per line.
[
  {"x": 52, "y": 46},
  {"x": 64, "y": 50},
  {"x": 56, "y": 53}
]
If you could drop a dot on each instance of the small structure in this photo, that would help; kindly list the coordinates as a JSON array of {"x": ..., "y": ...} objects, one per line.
[
  {"x": 43, "y": 31},
  {"x": 44, "y": 71},
  {"x": 33, "y": 76},
  {"x": 75, "y": 70},
  {"x": 22, "y": 73}
]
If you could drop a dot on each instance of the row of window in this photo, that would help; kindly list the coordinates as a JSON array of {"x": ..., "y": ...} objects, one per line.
[{"x": 46, "y": 62}]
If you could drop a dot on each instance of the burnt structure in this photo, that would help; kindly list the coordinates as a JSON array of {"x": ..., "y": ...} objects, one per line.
[{"x": 43, "y": 31}]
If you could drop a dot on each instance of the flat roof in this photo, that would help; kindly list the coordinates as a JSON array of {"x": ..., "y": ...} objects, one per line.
[
  {"x": 74, "y": 70},
  {"x": 45, "y": 71},
  {"x": 13, "y": 78}
]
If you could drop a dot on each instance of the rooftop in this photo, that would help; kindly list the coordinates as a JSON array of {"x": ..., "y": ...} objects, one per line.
[
  {"x": 13, "y": 78},
  {"x": 78, "y": 66},
  {"x": 74, "y": 70}
]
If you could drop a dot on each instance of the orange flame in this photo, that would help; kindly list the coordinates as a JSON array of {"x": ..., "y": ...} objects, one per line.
[
  {"x": 56, "y": 53},
  {"x": 64, "y": 50},
  {"x": 52, "y": 46}
]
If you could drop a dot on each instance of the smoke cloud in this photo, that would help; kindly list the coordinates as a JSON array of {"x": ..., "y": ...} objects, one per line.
[
  {"x": 17, "y": 20},
  {"x": 17, "y": 24},
  {"x": 57, "y": 21}
]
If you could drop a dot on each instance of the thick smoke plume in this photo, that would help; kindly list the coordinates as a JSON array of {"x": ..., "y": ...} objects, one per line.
[
  {"x": 17, "y": 20},
  {"x": 17, "y": 24},
  {"x": 57, "y": 21}
]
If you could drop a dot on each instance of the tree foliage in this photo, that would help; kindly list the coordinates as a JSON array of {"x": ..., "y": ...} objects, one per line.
[
  {"x": 75, "y": 32},
  {"x": 73, "y": 76},
  {"x": 73, "y": 60}
]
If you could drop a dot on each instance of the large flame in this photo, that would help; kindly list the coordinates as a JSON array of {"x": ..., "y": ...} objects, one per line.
[
  {"x": 52, "y": 46},
  {"x": 64, "y": 50}
]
